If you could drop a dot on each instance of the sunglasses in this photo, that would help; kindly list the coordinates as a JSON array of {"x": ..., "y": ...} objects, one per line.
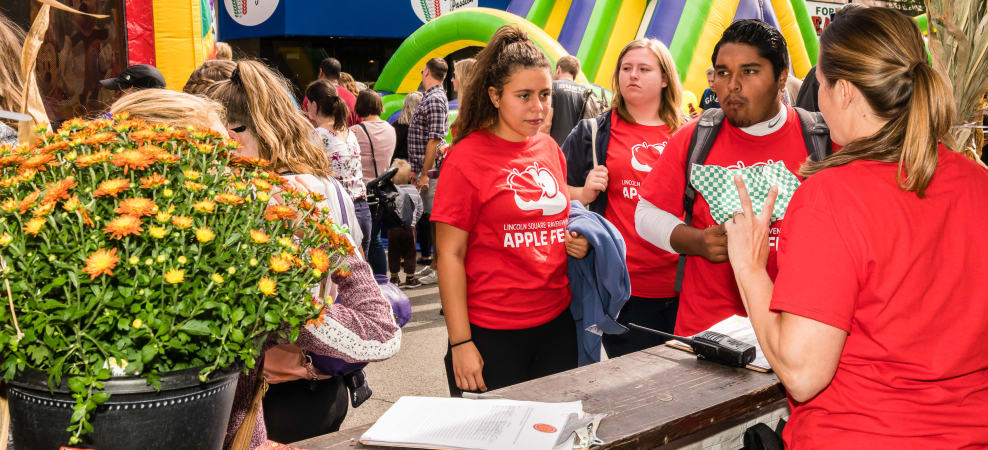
[{"x": 239, "y": 129}]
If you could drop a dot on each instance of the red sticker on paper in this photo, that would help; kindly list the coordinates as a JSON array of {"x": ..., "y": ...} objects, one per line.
[{"x": 544, "y": 427}]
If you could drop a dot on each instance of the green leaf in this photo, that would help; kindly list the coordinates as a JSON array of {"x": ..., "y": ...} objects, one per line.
[
  {"x": 236, "y": 335},
  {"x": 77, "y": 385},
  {"x": 148, "y": 352},
  {"x": 238, "y": 314},
  {"x": 196, "y": 327},
  {"x": 272, "y": 317},
  {"x": 100, "y": 397},
  {"x": 78, "y": 412}
]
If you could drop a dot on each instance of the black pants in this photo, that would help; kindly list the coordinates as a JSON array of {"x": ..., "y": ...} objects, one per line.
[
  {"x": 401, "y": 250},
  {"x": 298, "y": 410},
  {"x": 516, "y": 356},
  {"x": 655, "y": 313},
  {"x": 424, "y": 236}
]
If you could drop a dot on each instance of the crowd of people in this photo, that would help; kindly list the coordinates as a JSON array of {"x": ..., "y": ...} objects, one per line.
[{"x": 865, "y": 293}]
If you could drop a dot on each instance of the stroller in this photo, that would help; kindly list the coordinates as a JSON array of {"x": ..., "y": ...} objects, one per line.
[{"x": 383, "y": 197}]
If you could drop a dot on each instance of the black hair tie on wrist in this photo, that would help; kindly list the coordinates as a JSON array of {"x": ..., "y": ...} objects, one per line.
[{"x": 461, "y": 343}]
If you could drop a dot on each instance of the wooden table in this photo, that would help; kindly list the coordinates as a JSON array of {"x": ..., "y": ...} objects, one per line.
[{"x": 653, "y": 397}]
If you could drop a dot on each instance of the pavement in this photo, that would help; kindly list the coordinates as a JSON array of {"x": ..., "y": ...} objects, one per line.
[{"x": 417, "y": 369}]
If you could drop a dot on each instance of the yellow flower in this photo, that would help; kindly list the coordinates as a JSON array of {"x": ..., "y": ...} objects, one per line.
[
  {"x": 157, "y": 232},
  {"x": 162, "y": 217},
  {"x": 9, "y": 205},
  {"x": 34, "y": 226},
  {"x": 266, "y": 286},
  {"x": 71, "y": 204},
  {"x": 279, "y": 264},
  {"x": 263, "y": 197},
  {"x": 285, "y": 241},
  {"x": 167, "y": 193},
  {"x": 182, "y": 260},
  {"x": 193, "y": 186},
  {"x": 137, "y": 323},
  {"x": 101, "y": 262},
  {"x": 112, "y": 187},
  {"x": 161, "y": 258},
  {"x": 123, "y": 226},
  {"x": 320, "y": 260},
  {"x": 138, "y": 206},
  {"x": 262, "y": 184},
  {"x": 231, "y": 199},
  {"x": 217, "y": 278},
  {"x": 191, "y": 174},
  {"x": 252, "y": 262},
  {"x": 174, "y": 276},
  {"x": 95, "y": 158},
  {"x": 43, "y": 210},
  {"x": 182, "y": 221},
  {"x": 259, "y": 236},
  {"x": 148, "y": 261},
  {"x": 134, "y": 260},
  {"x": 204, "y": 206},
  {"x": 5, "y": 239},
  {"x": 231, "y": 270},
  {"x": 204, "y": 234},
  {"x": 317, "y": 273}
]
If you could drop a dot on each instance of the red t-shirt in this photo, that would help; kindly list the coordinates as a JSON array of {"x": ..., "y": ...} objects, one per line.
[
  {"x": 512, "y": 199},
  {"x": 631, "y": 152},
  {"x": 348, "y": 98},
  {"x": 905, "y": 278},
  {"x": 710, "y": 293}
]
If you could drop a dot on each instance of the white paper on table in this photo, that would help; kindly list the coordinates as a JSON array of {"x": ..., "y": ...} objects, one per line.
[
  {"x": 740, "y": 328},
  {"x": 433, "y": 422}
]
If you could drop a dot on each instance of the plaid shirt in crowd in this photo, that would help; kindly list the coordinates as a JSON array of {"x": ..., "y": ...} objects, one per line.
[{"x": 430, "y": 121}]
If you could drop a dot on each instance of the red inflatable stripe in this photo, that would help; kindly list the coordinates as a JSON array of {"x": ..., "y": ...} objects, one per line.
[{"x": 140, "y": 32}]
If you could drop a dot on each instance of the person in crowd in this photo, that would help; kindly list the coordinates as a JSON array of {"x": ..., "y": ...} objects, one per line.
[
  {"x": 876, "y": 321},
  {"x": 376, "y": 138},
  {"x": 569, "y": 99},
  {"x": 630, "y": 137},
  {"x": 806, "y": 98},
  {"x": 328, "y": 111},
  {"x": 462, "y": 70},
  {"x": 224, "y": 51},
  {"x": 359, "y": 308},
  {"x": 136, "y": 77},
  {"x": 401, "y": 237},
  {"x": 709, "y": 98},
  {"x": 208, "y": 73},
  {"x": 330, "y": 70},
  {"x": 408, "y": 107},
  {"x": 508, "y": 322},
  {"x": 789, "y": 93},
  {"x": 426, "y": 133},
  {"x": 752, "y": 65},
  {"x": 347, "y": 81},
  {"x": 11, "y": 80}
]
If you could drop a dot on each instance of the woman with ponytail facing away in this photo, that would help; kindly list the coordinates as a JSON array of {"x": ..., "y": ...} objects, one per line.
[
  {"x": 877, "y": 320},
  {"x": 501, "y": 211}
]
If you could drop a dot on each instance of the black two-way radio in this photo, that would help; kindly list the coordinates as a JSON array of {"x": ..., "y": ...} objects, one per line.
[{"x": 712, "y": 346}]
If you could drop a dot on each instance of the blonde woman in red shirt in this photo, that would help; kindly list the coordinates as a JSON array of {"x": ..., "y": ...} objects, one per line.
[{"x": 501, "y": 210}]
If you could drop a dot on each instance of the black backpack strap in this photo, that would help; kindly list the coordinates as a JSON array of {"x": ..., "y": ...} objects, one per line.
[
  {"x": 371, "y": 142},
  {"x": 816, "y": 134},
  {"x": 700, "y": 143}
]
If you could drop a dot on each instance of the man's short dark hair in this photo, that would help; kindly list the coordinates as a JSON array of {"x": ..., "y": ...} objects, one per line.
[
  {"x": 845, "y": 10},
  {"x": 569, "y": 64},
  {"x": 759, "y": 34},
  {"x": 437, "y": 68},
  {"x": 331, "y": 68},
  {"x": 368, "y": 103}
]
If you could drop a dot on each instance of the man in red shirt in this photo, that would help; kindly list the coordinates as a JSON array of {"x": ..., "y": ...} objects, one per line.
[
  {"x": 751, "y": 66},
  {"x": 330, "y": 70}
]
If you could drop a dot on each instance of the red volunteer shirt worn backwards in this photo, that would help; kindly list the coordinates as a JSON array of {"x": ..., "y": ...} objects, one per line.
[
  {"x": 710, "y": 293},
  {"x": 631, "y": 152},
  {"x": 905, "y": 278},
  {"x": 512, "y": 199}
]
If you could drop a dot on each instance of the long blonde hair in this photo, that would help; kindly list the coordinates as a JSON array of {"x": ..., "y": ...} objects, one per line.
[
  {"x": 11, "y": 82},
  {"x": 412, "y": 101},
  {"x": 347, "y": 81},
  {"x": 208, "y": 73},
  {"x": 257, "y": 97},
  {"x": 672, "y": 94},
  {"x": 174, "y": 108},
  {"x": 881, "y": 52}
]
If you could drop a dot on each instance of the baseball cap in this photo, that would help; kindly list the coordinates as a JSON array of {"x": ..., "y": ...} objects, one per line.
[{"x": 140, "y": 76}]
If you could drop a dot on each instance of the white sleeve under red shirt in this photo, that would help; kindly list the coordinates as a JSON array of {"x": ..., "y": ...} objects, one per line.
[
  {"x": 905, "y": 278},
  {"x": 631, "y": 152},
  {"x": 512, "y": 199},
  {"x": 710, "y": 293}
]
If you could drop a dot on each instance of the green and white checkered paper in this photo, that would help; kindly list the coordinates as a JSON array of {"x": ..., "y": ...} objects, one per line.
[{"x": 716, "y": 184}]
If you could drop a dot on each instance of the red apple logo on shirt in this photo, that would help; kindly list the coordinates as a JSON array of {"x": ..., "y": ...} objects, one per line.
[
  {"x": 535, "y": 188},
  {"x": 644, "y": 155}
]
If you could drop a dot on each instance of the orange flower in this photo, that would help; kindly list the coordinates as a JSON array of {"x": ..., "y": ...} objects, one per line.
[
  {"x": 279, "y": 264},
  {"x": 204, "y": 206},
  {"x": 266, "y": 286},
  {"x": 57, "y": 146},
  {"x": 122, "y": 226},
  {"x": 320, "y": 260},
  {"x": 34, "y": 226},
  {"x": 138, "y": 206},
  {"x": 249, "y": 162},
  {"x": 101, "y": 262},
  {"x": 205, "y": 148},
  {"x": 259, "y": 236},
  {"x": 58, "y": 190},
  {"x": 193, "y": 186},
  {"x": 11, "y": 160},
  {"x": 279, "y": 212},
  {"x": 9, "y": 204},
  {"x": 229, "y": 198},
  {"x": 43, "y": 210},
  {"x": 28, "y": 201},
  {"x": 94, "y": 158},
  {"x": 158, "y": 153},
  {"x": 153, "y": 180},
  {"x": 71, "y": 203},
  {"x": 319, "y": 320},
  {"x": 262, "y": 184},
  {"x": 112, "y": 187},
  {"x": 182, "y": 221},
  {"x": 143, "y": 135},
  {"x": 101, "y": 138},
  {"x": 132, "y": 159},
  {"x": 85, "y": 217},
  {"x": 38, "y": 161}
]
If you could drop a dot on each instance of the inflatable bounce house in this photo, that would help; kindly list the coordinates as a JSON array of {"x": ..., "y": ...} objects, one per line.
[
  {"x": 596, "y": 31},
  {"x": 175, "y": 37}
]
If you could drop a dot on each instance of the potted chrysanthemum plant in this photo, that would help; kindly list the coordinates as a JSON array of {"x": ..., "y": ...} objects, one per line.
[{"x": 143, "y": 266}]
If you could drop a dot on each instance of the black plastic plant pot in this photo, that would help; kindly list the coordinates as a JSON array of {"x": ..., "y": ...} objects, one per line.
[{"x": 185, "y": 414}]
